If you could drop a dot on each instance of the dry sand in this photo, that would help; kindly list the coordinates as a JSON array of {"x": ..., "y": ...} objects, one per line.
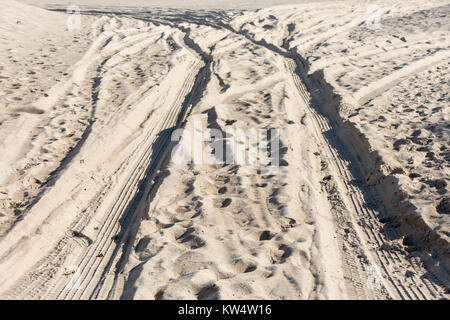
[{"x": 93, "y": 205}]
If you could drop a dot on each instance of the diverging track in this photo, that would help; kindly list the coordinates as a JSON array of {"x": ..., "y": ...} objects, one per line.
[
  {"x": 96, "y": 262},
  {"x": 360, "y": 215},
  {"x": 98, "y": 277}
]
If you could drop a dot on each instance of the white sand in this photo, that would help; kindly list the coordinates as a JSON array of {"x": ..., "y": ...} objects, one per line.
[
  {"x": 92, "y": 207},
  {"x": 189, "y": 4}
]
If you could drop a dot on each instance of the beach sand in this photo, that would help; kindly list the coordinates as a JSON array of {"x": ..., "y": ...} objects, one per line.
[{"x": 98, "y": 200}]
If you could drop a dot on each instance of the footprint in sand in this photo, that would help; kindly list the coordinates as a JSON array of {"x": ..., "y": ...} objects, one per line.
[
  {"x": 209, "y": 292},
  {"x": 189, "y": 239},
  {"x": 222, "y": 190},
  {"x": 226, "y": 203}
]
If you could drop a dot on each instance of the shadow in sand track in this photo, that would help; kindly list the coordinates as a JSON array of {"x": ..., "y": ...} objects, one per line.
[
  {"x": 351, "y": 149},
  {"x": 155, "y": 173}
]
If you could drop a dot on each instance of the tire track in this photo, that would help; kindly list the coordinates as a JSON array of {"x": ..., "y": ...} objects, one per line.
[
  {"x": 358, "y": 200},
  {"x": 354, "y": 206},
  {"x": 354, "y": 272},
  {"x": 94, "y": 272},
  {"x": 353, "y": 203},
  {"x": 90, "y": 264}
]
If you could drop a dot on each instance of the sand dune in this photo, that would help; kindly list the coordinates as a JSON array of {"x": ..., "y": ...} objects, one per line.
[{"x": 96, "y": 204}]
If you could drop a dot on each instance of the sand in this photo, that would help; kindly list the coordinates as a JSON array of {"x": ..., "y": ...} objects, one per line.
[{"x": 94, "y": 203}]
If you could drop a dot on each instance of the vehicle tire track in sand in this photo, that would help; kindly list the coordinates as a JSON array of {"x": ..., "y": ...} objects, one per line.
[
  {"x": 361, "y": 236},
  {"x": 376, "y": 88},
  {"x": 361, "y": 201},
  {"x": 89, "y": 264},
  {"x": 94, "y": 270},
  {"x": 351, "y": 251}
]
